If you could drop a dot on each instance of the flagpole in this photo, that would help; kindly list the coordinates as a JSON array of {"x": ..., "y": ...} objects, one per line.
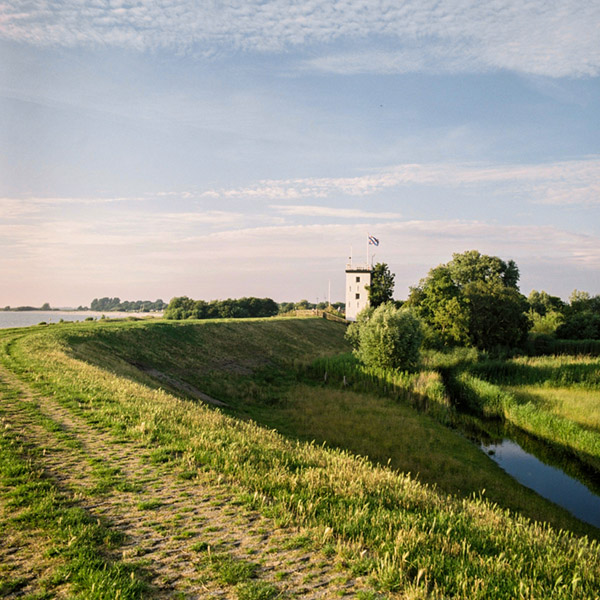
[{"x": 367, "y": 249}]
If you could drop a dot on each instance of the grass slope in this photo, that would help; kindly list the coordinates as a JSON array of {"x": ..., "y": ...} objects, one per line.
[
  {"x": 250, "y": 365},
  {"x": 412, "y": 540}
]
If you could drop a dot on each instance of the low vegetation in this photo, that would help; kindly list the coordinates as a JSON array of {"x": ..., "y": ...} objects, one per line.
[{"x": 139, "y": 382}]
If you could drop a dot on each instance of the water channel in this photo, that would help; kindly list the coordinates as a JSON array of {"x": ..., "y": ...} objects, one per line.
[
  {"x": 548, "y": 481},
  {"x": 560, "y": 479}
]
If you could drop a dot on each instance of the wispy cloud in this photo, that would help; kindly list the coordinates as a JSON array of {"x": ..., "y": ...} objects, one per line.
[
  {"x": 220, "y": 253},
  {"x": 307, "y": 210},
  {"x": 565, "y": 182},
  {"x": 531, "y": 36}
]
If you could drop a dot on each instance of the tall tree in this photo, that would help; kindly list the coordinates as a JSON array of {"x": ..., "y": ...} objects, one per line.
[
  {"x": 381, "y": 289},
  {"x": 473, "y": 299}
]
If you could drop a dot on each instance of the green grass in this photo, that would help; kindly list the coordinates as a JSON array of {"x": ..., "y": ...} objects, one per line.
[
  {"x": 257, "y": 590},
  {"x": 149, "y": 504},
  {"x": 231, "y": 571},
  {"x": 545, "y": 371},
  {"x": 582, "y": 406},
  {"x": 78, "y": 548},
  {"x": 422, "y": 541}
]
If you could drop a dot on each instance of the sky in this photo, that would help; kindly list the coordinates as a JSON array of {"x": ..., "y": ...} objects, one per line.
[{"x": 152, "y": 149}]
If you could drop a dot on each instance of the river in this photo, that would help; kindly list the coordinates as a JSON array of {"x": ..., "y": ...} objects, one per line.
[{"x": 26, "y": 318}]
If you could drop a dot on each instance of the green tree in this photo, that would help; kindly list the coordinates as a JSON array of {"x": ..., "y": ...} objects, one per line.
[
  {"x": 387, "y": 337},
  {"x": 381, "y": 289},
  {"x": 473, "y": 299},
  {"x": 497, "y": 315},
  {"x": 180, "y": 307},
  {"x": 542, "y": 302},
  {"x": 353, "y": 330},
  {"x": 472, "y": 266},
  {"x": 581, "y": 318},
  {"x": 441, "y": 304}
]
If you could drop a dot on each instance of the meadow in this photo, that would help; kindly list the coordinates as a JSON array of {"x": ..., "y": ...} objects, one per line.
[{"x": 174, "y": 496}]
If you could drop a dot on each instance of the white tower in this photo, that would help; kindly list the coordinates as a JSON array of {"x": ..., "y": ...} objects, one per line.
[{"x": 357, "y": 297}]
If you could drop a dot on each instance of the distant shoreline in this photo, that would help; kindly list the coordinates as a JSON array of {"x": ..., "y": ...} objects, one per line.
[
  {"x": 27, "y": 318},
  {"x": 18, "y": 309}
]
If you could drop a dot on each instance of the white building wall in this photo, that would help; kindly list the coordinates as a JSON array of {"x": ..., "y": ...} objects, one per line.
[{"x": 357, "y": 297}]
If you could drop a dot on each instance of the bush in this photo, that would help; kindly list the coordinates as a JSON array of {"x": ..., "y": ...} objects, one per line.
[{"x": 387, "y": 337}]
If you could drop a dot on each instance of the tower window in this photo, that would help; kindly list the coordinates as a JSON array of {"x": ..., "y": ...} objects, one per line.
[
  {"x": 358, "y": 296},
  {"x": 358, "y": 279}
]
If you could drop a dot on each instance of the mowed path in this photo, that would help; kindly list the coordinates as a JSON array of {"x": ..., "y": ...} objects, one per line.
[{"x": 178, "y": 524}]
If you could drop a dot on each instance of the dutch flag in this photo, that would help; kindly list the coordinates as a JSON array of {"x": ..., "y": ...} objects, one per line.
[{"x": 373, "y": 241}]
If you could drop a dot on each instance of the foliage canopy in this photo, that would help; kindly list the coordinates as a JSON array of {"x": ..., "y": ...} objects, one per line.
[
  {"x": 473, "y": 299},
  {"x": 381, "y": 289},
  {"x": 182, "y": 307},
  {"x": 387, "y": 337}
]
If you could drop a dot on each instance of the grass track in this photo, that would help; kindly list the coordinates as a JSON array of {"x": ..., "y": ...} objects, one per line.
[{"x": 178, "y": 528}]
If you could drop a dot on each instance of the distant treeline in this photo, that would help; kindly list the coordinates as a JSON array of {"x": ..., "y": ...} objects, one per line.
[
  {"x": 44, "y": 307},
  {"x": 183, "y": 307},
  {"x": 285, "y": 307},
  {"x": 115, "y": 304}
]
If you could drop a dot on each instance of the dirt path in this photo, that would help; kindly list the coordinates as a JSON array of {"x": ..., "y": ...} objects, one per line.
[{"x": 184, "y": 528}]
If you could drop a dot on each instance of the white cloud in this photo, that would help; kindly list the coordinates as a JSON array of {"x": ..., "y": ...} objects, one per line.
[
  {"x": 124, "y": 253},
  {"x": 564, "y": 182},
  {"x": 530, "y": 36},
  {"x": 307, "y": 210}
]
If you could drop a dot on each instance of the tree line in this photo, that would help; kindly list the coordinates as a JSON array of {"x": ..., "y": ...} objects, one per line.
[
  {"x": 183, "y": 307},
  {"x": 107, "y": 304}
]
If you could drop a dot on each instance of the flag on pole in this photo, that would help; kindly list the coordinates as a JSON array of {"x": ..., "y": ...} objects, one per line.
[{"x": 373, "y": 241}]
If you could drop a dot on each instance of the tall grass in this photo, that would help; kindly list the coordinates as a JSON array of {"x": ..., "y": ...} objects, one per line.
[
  {"x": 548, "y": 345},
  {"x": 548, "y": 371},
  {"x": 422, "y": 543},
  {"x": 423, "y": 389}
]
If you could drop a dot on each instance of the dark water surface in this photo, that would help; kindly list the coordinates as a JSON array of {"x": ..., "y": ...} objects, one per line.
[{"x": 550, "y": 482}]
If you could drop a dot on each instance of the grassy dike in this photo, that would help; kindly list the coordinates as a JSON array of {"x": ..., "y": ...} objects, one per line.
[{"x": 411, "y": 539}]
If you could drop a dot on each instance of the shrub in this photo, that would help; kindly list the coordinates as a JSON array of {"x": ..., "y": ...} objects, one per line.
[{"x": 388, "y": 338}]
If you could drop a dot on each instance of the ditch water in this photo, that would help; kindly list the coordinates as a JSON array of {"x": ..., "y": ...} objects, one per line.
[
  {"x": 548, "y": 481},
  {"x": 555, "y": 475}
]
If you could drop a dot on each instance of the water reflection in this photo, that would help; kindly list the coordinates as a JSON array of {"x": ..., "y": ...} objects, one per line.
[{"x": 550, "y": 482}]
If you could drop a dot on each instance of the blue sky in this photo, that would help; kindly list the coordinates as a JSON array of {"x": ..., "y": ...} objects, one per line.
[{"x": 154, "y": 149}]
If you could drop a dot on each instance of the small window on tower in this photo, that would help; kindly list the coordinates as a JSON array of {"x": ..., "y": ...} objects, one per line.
[
  {"x": 358, "y": 296},
  {"x": 358, "y": 279}
]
